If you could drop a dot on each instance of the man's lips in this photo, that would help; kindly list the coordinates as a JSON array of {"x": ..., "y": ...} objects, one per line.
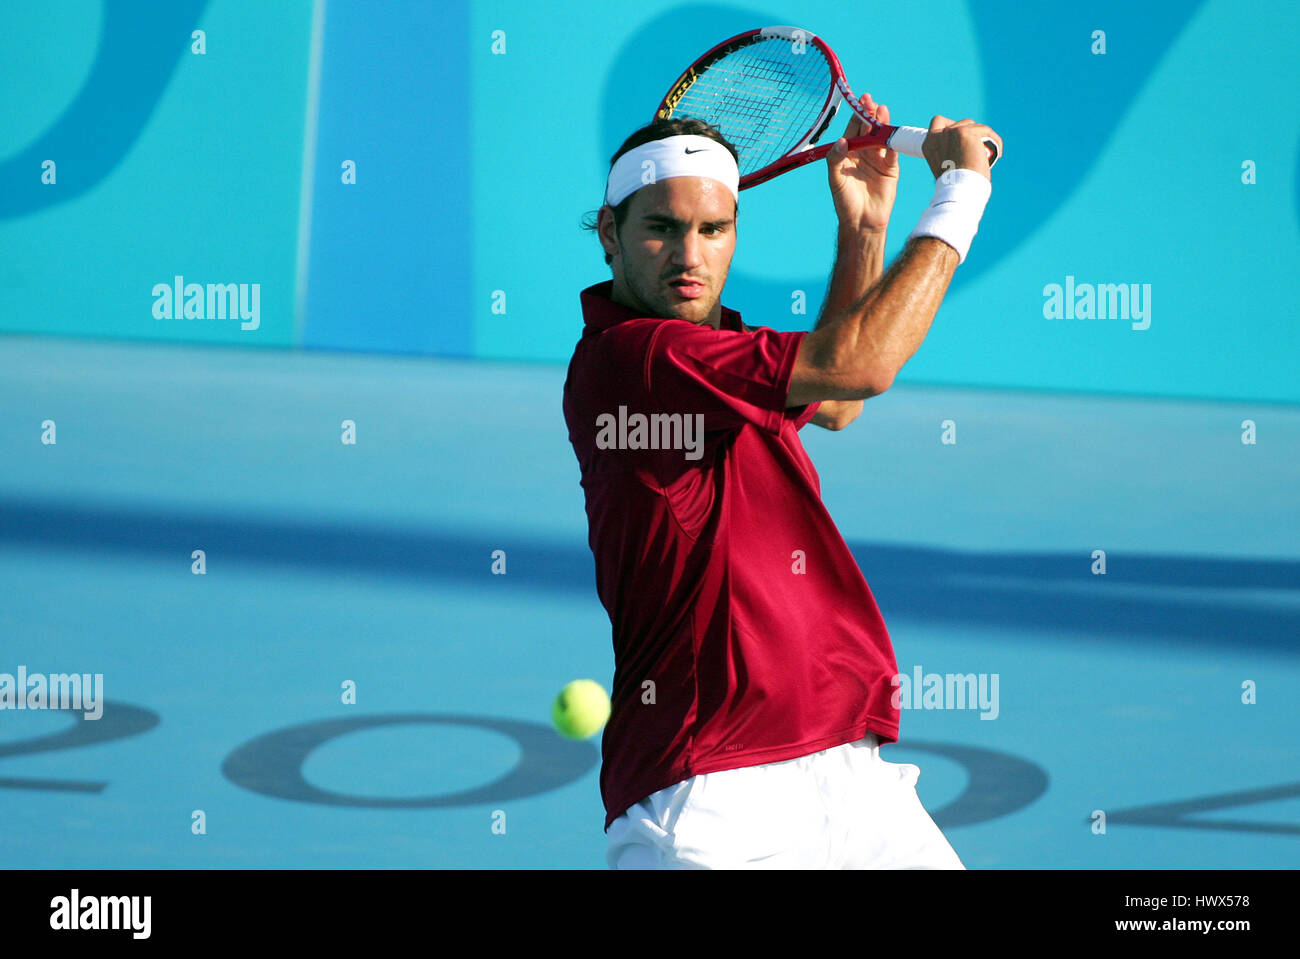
[{"x": 687, "y": 289}]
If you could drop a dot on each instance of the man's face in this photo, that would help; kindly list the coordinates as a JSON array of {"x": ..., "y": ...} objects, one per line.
[{"x": 672, "y": 255}]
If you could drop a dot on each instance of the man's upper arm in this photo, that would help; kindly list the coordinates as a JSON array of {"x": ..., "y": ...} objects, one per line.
[{"x": 818, "y": 375}]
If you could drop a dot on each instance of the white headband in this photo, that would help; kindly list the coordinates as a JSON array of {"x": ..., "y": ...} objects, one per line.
[{"x": 684, "y": 155}]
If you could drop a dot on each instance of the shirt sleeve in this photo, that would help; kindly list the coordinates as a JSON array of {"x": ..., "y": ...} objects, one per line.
[{"x": 731, "y": 378}]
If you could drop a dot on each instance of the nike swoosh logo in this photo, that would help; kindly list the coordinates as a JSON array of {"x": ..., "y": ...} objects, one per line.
[{"x": 700, "y": 150}]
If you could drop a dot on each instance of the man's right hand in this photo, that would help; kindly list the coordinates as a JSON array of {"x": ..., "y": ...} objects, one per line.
[{"x": 958, "y": 146}]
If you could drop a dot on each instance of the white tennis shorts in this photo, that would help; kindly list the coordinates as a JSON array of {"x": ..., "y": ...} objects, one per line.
[{"x": 841, "y": 808}]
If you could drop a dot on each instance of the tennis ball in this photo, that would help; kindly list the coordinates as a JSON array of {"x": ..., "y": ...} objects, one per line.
[{"x": 581, "y": 709}]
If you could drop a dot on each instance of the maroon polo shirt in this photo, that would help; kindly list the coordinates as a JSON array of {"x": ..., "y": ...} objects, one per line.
[{"x": 744, "y": 632}]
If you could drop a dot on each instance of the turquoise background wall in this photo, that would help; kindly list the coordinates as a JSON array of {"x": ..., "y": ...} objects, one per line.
[
  {"x": 479, "y": 134},
  {"x": 166, "y": 163}
]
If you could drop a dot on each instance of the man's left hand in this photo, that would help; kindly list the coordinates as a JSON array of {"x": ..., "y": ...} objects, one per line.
[{"x": 863, "y": 184}]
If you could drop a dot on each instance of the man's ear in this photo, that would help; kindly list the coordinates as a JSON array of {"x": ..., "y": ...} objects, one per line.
[{"x": 607, "y": 231}]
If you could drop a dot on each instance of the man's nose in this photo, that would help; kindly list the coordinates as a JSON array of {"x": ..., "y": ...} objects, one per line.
[{"x": 689, "y": 253}]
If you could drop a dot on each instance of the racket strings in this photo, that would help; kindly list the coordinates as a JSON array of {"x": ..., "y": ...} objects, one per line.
[{"x": 764, "y": 97}]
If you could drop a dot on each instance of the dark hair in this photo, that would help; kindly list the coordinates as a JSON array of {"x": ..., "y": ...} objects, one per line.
[{"x": 657, "y": 130}]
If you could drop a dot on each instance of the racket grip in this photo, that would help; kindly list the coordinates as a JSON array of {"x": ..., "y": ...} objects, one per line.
[{"x": 909, "y": 140}]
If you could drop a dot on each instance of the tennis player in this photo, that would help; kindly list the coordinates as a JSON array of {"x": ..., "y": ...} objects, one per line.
[{"x": 753, "y": 682}]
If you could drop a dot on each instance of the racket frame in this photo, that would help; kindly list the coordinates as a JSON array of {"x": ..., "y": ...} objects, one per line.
[{"x": 907, "y": 140}]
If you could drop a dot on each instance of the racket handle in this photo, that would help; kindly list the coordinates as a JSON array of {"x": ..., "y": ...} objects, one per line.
[{"x": 908, "y": 141}]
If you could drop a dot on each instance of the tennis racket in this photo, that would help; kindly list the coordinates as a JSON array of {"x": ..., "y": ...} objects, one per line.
[{"x": 772, "y": 93}]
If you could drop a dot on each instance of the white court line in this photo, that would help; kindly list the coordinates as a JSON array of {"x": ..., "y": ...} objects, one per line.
[{"x": 308, "y": 169}]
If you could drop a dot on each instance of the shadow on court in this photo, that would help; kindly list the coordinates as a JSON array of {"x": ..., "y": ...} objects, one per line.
[{"x": 1053, "y": 593}]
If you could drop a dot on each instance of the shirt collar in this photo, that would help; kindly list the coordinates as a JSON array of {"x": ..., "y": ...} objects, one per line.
[{"x": 600, "y": 312}]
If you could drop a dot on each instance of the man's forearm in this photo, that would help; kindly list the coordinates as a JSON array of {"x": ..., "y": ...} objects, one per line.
[
  {"x": 886, "y": 324},
  {"x": 859, "y": 262}
]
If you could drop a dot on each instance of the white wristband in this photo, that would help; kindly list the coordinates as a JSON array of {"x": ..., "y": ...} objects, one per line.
[{"x": 954, "y": 214}]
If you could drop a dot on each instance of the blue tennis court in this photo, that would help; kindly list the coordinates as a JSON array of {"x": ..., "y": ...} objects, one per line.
[{"x": 372, "y": 564}]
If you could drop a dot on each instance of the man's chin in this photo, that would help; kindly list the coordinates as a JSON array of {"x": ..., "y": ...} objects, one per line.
[{"x": 694, "y": 311}]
